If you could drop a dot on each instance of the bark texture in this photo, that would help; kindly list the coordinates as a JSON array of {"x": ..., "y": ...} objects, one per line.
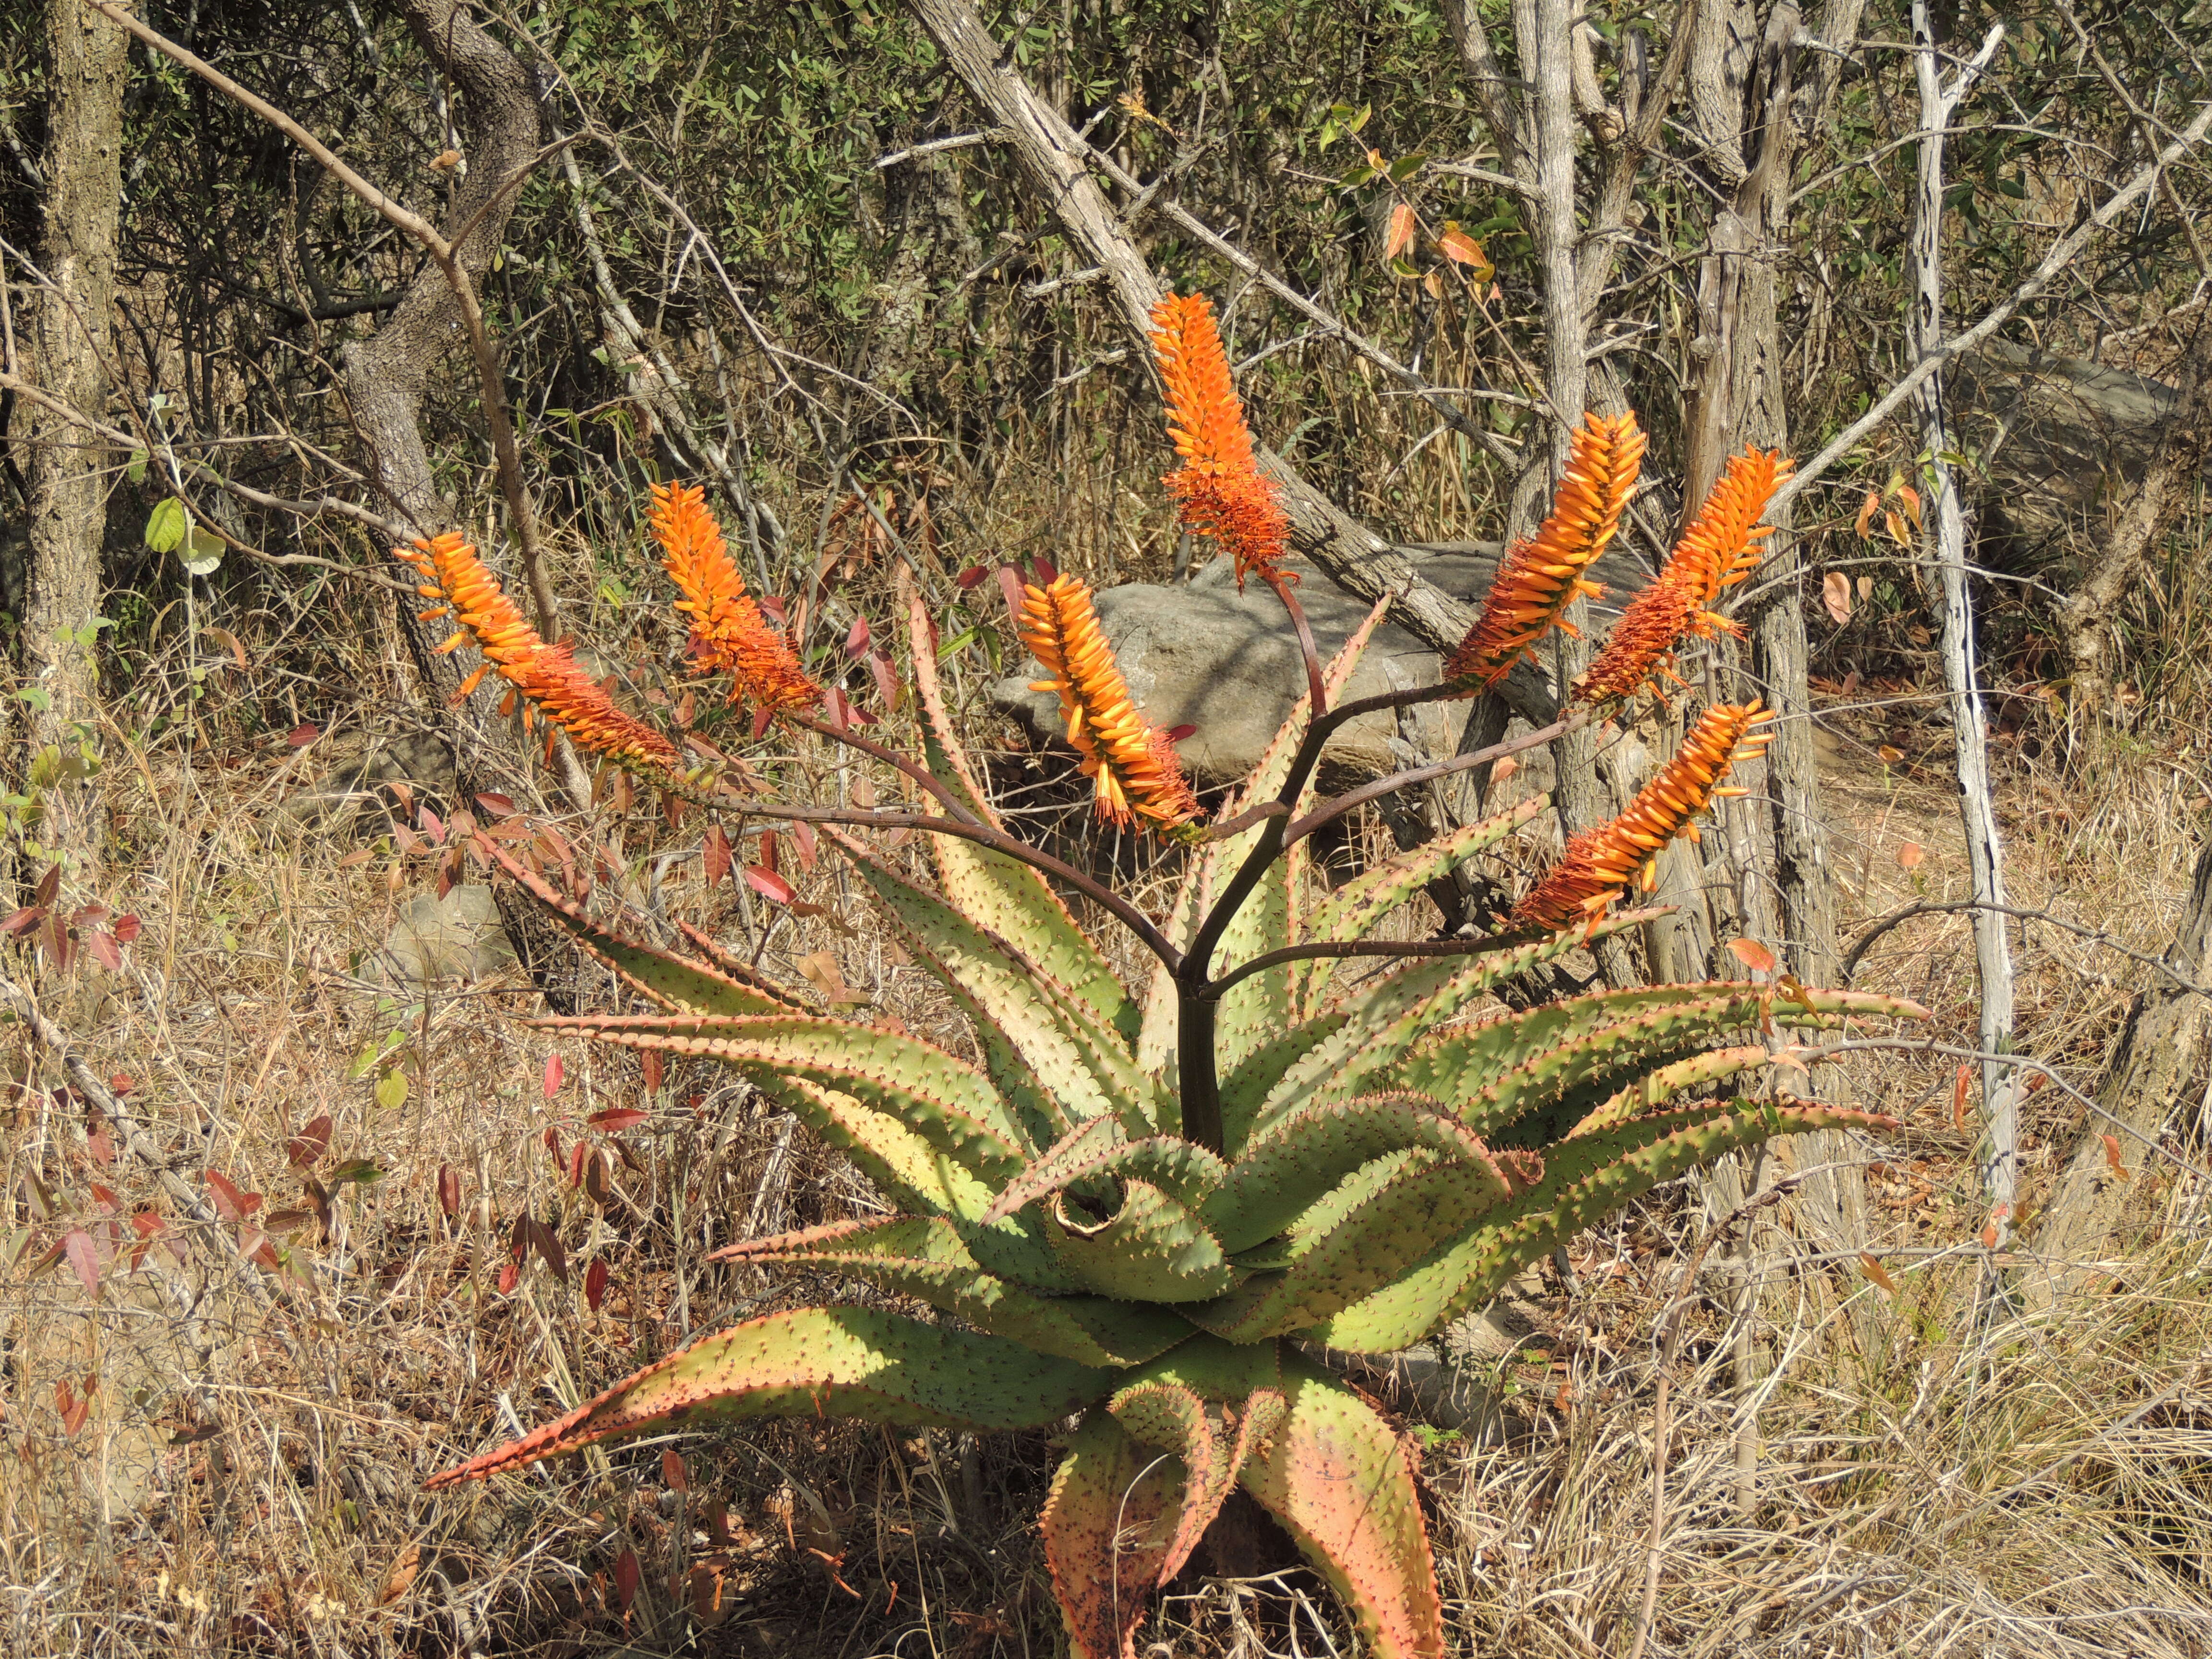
[{"x": 68, "y": 340}]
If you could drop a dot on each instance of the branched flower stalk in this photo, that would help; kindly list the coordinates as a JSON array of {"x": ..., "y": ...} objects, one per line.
[{"x": 1152, "y": 1206}]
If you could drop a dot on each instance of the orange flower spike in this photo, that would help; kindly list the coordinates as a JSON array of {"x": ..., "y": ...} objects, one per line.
[
  {"x": 1720, "y": 548},
  {"x": 1641, "y": 643},
  {"x": 1541, "y": 578},
  {"x": 1133, "y": 763},
  {"x": 1222, "y": 492},
  {"x": 728, "y": 632},
  {"x": 1599, "y": 863},
  {"x": 546, "y": 677}
]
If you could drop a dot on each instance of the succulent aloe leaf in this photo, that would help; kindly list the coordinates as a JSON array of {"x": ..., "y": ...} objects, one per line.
[
  {"x": 943, "y": 755},
  {"x": 1662, "y": 1083},
  {"x": 1356, "y": 1239},
  {"x": 925, "y": 1257},
  {"x": 675, "y": 982},
  {"x": 1285, "y": 1171},
  {"x": 1384, "y": 1019},
  {"x": 942, "y": 1099},
  {"x": 1170, "y": 1415},
  {"x": 1156, "y": 1039},
  {"x": 1362, "y": 903},
  {"x": 1341, "y": 1482},
  {"x": 1462, "y": 1067},
  {"x": 1256, "y": 1075},
  {"x": 1583, "y": 1181},
  {"x": 1053, "y": 1050},
  {"x": 1186, "y": 1173},
  {"x": 1108, "y": 1525},
  {"x": 820, "y": 1362},
  {"x": 1005, "y": 897},
  {"x": 1151, "y": 1249}
]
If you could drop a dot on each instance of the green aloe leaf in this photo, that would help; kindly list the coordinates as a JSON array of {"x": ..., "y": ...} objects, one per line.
[
  {"x": 820, "y": 1362},
  {"x": 1382, "y": 1021},
  {"x": 675, "y": 982},
  {"x": 1151, "y": 1249},
  {"x": 1341, "y": 1482},
  {"x": 943, "y": 755},
  {"x": 1186, "y": 1173},
  {"x": 1583, "y": 1181},
  {"x": 1356, "y": 1239},
  {"x": 1108, "y": 1523},
  {"x": 1004, "y": 897},
  {"x": 1156, "y": 1039},
  {"x": 1256, "y": 1077},
  {"x": 925, "y": 1257},
  {"x": 945, "y": 1100},
  {"x": 1049, "y": 1049},
  {"x": 1285, "y": 1171},
  {"x": 1362, "y": 903}
]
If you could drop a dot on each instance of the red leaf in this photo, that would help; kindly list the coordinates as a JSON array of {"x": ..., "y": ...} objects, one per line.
[
  {"x": 449, "y": 1190},
  {"x": 508, "y": 1275},
  {"x": 50, "y": 886},
  {"x": 804, "y": 835},
  {"x": 576, "y": 1156},
  {"x": 106, "y": 1198},
  {"x": 553, "y": 1074},
  {"x": 651, "y": 1065},
  {"x": 856, "y": 642},
  {"x": 548, "y": 1248},
  {"x": 24, "y": 919},
  {"x": 303, "y": 734},
  {"x": 122, "y": 1083},
  {"x": 101, "y": 1147},
  {"x": 1752, "y": 955},
  {"x": 775, "y": 608},
  {"x": 105, "y": 948},
  {"x": 2113, "y": 1155},
  {"x": 434, "y": 825},
  {"x": 127, "y": 927},
  {"x": 615, "y": 1118},
  {"x": 627, "y": 1576},
  {"x": 1177, "y": 733},
  {"x": 768, "y": 884},
  {"x": 227, "y": 1198},
  {"x": 595, "y": 1284},
  {"x": 973, "y": 575},
  {"x": 715, "y": 852},
  {"x": 73, "y": 1411},
  {"x": 887, "y": 683},
  {"x": 672, "y": 1471},
  {"x": 553, "y": 1146},
  {"x": 1402, "y": 231},
  {"x": 306, "y": 1148},
  {"x": 1959, "y": 1098},
  {"x": 768, "y": 852},
  {"x": 83, "y": 1259}
]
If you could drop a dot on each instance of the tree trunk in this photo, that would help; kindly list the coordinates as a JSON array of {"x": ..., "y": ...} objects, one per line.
[
  {"x": 2157, "y": 1069},
  {"x": 88, "y": 62}
]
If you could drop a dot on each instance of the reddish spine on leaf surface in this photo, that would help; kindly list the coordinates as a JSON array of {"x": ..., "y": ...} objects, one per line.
[
  {"x": 1720, "y": 548},
  {"x": 728, "y": 632},
  {"x": 1132, "y": 762},
  {"x": 1220, "y": 485},
  {"x": 1599, "y": 863},
  {"x": 546, "y": 678},
  {"x": 1541, "y": 578}
]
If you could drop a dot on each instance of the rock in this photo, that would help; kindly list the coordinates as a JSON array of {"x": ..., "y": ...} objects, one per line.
[
  {"x": 457, "y": 937},
  {"x": 1202, "y": 654},
  {"x": 354, "y": 771}
]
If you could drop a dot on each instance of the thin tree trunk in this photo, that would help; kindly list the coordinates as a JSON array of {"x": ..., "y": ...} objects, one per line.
[
  {"x": 88, "y": 63},
  {"x": 2000, "y": 1148}
]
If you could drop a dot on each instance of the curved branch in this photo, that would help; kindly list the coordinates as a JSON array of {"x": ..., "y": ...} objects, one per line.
[
  {"x": 1329, "y": 810},
  {"x": 1211, "y": 990}
]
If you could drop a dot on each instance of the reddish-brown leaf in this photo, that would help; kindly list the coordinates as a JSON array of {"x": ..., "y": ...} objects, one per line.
[
  {"x": 768, "y": 884},
  {"x": 449, "y": 1190},
  {"x": 227, "y": 1198},
  {"x": 2112, "y": 1156},
  {"x": 856, "y": 642},
  {"x": 1752, "y": 955},
  {"x": 615, "y": 1118},
  {"x": 305, "y": 1149},
  {"x": 1910, "y": 855},
  {"x": 1836, "y": 595},
  {"x": 803, "y": 834},
  {"x": 627, "y": 1576},
  {"x": 1958, "y": 1097},
  {"x": 672, "y": 1471},
  {"x": 83, "y": 1259},
  {"x": 715, "y": 853},
  {"x": 101, "y": 1146},
  {"x": 303, "y": 734},
  {"x": 595, "y": 1284},
  {"x": 1402, "y": 224},
  {"x": 1871, "y": 1266},
  {"x": 74, "y": 1410},
  {"x": 553, "y": 1075}
]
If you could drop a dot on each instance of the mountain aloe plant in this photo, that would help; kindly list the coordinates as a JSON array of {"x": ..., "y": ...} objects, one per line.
[{"x": 1147, "y": 1212}]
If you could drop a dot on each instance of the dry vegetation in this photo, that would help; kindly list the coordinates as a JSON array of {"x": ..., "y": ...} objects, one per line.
[{"x": 1927, "y": 1474}]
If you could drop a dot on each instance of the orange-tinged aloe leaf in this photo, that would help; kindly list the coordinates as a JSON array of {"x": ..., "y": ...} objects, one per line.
[
  {"x": 1108, "y": 1526},
  {"x": 1538, "y": 579},
  {"x": 946, "y": 757},
  {"x": 1152, "y": 1249},
  {"x": 925, "y": 1257},
  {"x": 1599, "y": 863},
  {"x": 819, "y": 1362},
  {"x": 728, "y": 633},
  {"x": 1186, "y": 1172},
  {"x": 676, "y": 983},
  {"x": 1169, "y": 1414},
  {"x": 1222, "y": 492},
  {"x": 1341, "y": 1482}
]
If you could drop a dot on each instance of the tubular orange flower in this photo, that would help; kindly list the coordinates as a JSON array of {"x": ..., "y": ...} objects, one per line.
[
  {"x": 1133, "y": 761},
  {"x": 1718, "y": 550},
  {"x": 728, "y": 629},
  {"x": 1599, "y": 863},
  {"x": 1540, "y": 579},
  {"x": 546, "y": 677},
  {"x": 1220, "y": 487}
]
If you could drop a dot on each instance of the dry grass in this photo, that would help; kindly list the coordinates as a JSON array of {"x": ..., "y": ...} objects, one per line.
[{"x": 1927, "y": 1478}]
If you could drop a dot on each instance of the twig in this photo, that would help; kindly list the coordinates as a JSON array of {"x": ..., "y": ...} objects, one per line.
[{"x": 1931, "y": 907}]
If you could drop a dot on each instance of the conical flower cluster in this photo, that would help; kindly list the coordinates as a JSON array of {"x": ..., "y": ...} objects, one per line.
[
  {"x": 1220, "y": 487},
  {"x": 1538, "y": 579},
  {"x": 1599, "y": 863},
  {"x": 544, "y": 677},
  {"x": 1133, "y": 762},
  {"x": 728, "y": 632},
  {"x": 1719, "y": 550}
]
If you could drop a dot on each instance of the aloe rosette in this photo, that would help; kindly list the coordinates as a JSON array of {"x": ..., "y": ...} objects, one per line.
[{"x": 1149, "y": 1212}]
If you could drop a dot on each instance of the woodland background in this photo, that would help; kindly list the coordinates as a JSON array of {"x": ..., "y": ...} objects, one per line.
[{"x": 296, "y": 1214}]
